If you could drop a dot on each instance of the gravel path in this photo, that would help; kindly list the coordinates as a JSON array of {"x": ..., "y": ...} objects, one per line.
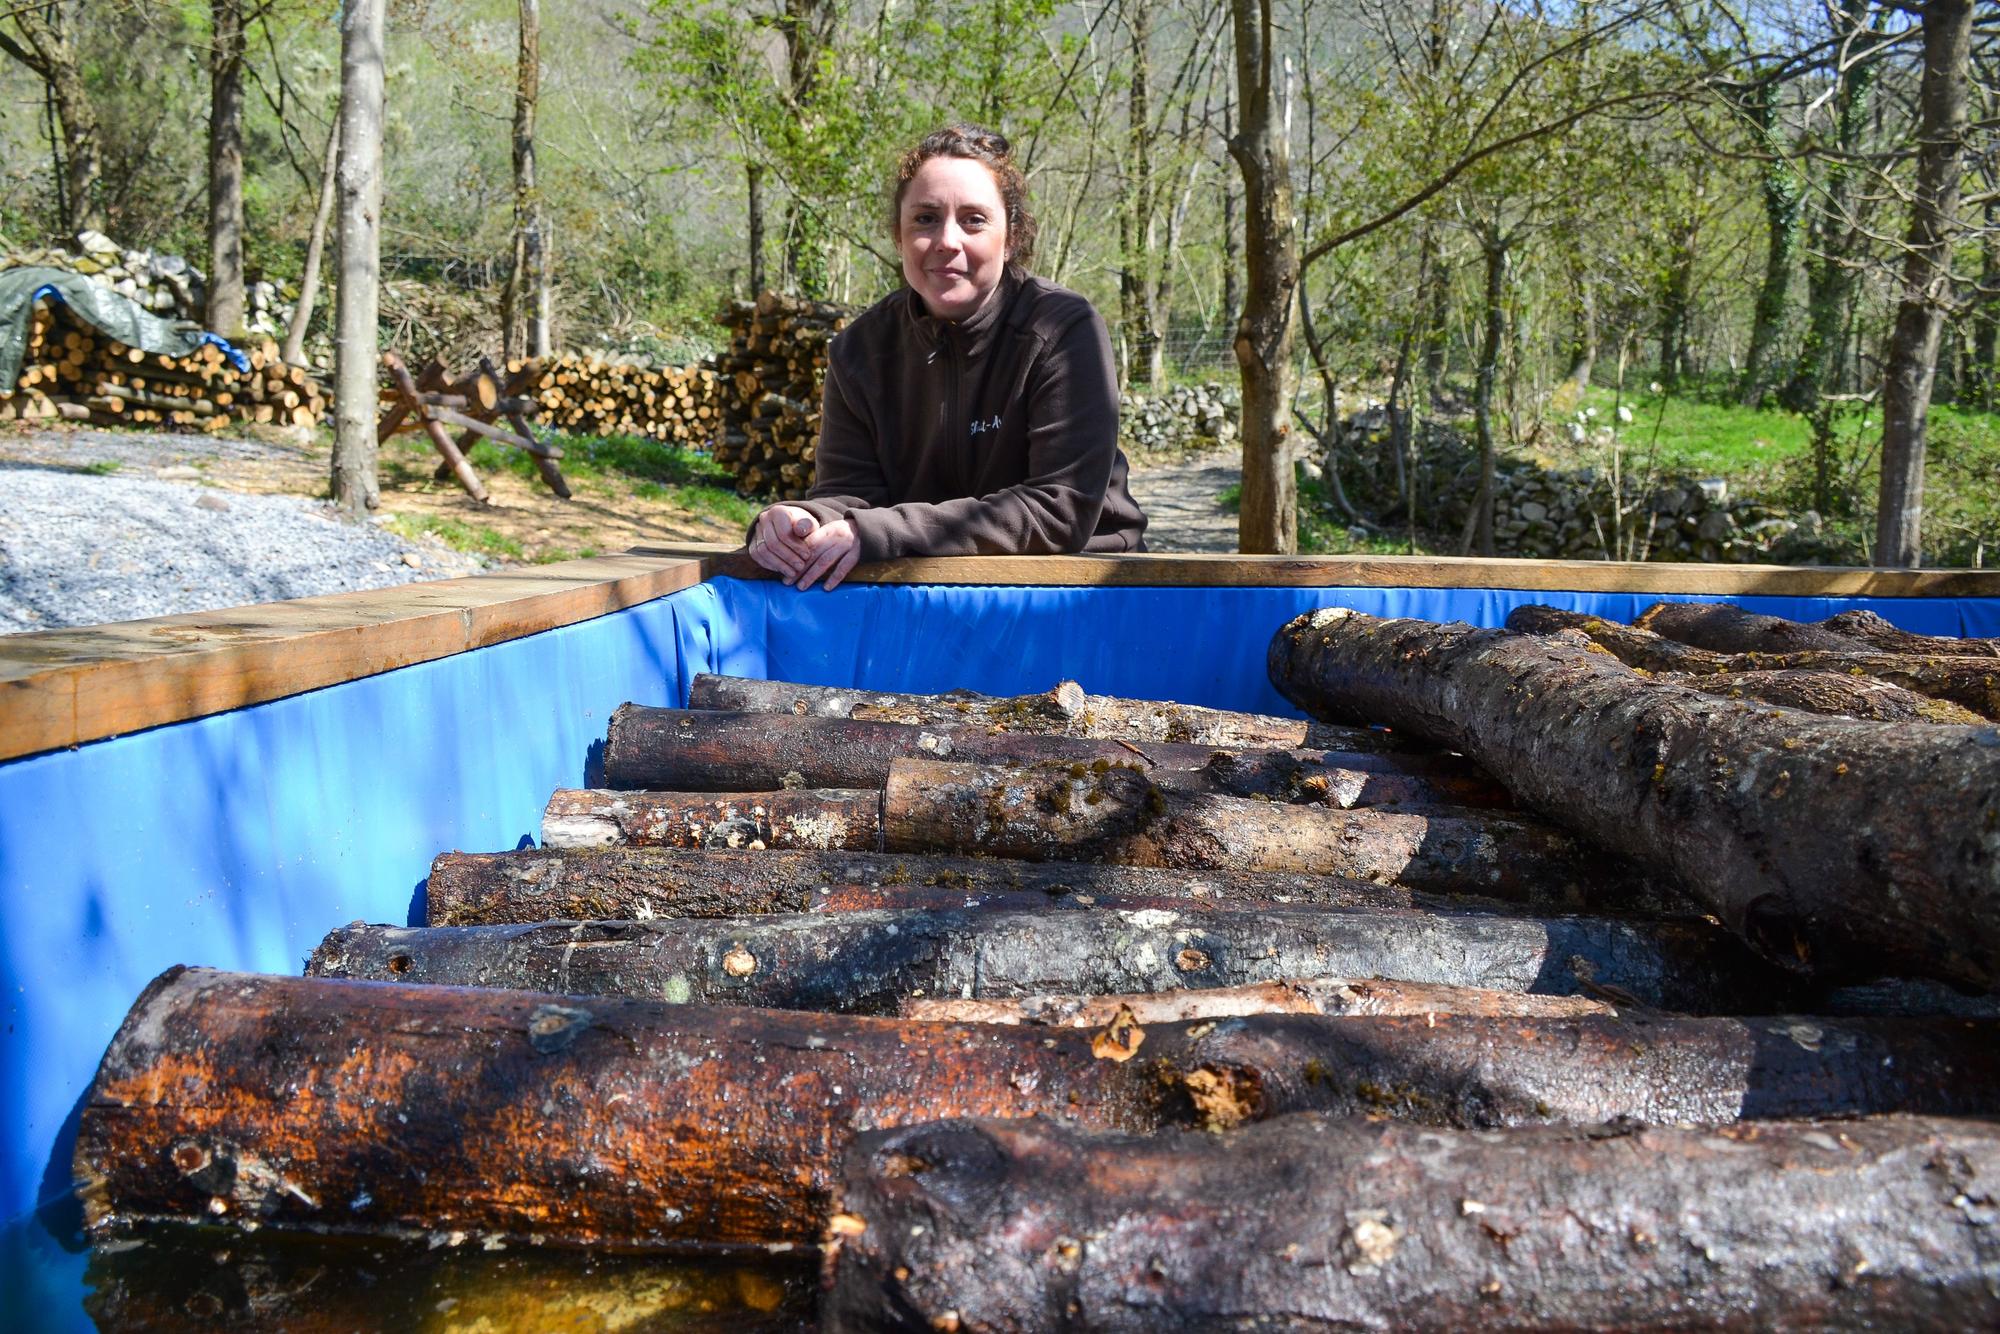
[
  {"x": 77, "y": 548},
  {"x": 1179, "y": 500}
]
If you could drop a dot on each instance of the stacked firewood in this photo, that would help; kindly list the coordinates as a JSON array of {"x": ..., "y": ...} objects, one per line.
[
  {"x": 1038, "y": 1012},
  {"x": 772, "y": 378},
  {"x": 589, "y": 394},
  {"x": 74, "y": 373}
]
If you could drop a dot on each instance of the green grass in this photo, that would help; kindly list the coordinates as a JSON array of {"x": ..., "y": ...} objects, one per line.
[
  {"x": 1696, "y": 434},
  {"x": 648, "y": 469},
  {"x": 457, "y": 535},
  {"x": 98, "y": 468}
]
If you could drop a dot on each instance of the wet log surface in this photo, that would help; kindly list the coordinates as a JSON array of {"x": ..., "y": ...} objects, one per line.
[
  {"x": 1331, "y": 995},
  {"x": 1055, "y": 812},
  {"x": 1846, "y": 848},
  {"x": 217, "y": 1278},
  {"x": 1971, "y": 682},
  {"x": 1313, "y": 1223},
  {"x": 388, "y": 1109},
  {"x": 1063, "y": 711},
  {"x": 695, "y": 751},
  {"x": 537, "y": 885},
  {"x": 817, "y": 819},
  {"x": 868, "y": 962}
]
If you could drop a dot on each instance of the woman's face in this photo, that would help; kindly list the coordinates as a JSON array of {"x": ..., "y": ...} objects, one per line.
[{"x": 952, "y": 230}]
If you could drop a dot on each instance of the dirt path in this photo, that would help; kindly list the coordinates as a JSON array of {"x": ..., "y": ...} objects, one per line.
[{"x": 1179, "y": 500}]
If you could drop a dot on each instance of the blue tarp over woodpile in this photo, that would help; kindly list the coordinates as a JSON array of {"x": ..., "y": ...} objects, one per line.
[{"x": 114, "y": 315}]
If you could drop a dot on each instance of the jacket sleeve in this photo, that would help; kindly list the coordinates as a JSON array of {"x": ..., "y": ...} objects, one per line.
[
  {"x": 847, "y": 464},
  {"x": 1072, "y": 406}
]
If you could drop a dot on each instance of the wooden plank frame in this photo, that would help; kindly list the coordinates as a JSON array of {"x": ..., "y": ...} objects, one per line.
[{"x": 62, "y": 688}]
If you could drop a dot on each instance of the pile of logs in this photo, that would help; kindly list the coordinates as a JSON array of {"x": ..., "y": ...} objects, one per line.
[
  {"x": 1556, "y": 1005},
  {"x": 73, "y": 373},
  {"x": 586, "y": 394},
  {"x": 772, "y": 378}
]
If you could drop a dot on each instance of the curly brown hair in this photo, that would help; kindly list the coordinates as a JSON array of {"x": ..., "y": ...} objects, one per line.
[{"x": 989, "y": 148}]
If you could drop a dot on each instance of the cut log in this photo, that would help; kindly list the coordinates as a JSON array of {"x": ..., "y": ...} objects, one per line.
[
  {"x": 1876, "y": 632},
  {"x": 869, "y": 898},
  {"x": 1315, "y": 1223},
  {"x": 1721, "y": 627},
  {"x": 535, "y": 885},
  {"x": 1053, "y": 812},
  {"x": 1064, "y": 711},
  {"x": 285, "y": 1102},
  {"x": 1845, "y": 848},
  {"x": 1329, "y": 995},
  {"x": 868, "y": 962},
  {"x": 1832, "y": 693},
  {"x": 691, "y": 750},
  {"x": 588, "y": 818}
]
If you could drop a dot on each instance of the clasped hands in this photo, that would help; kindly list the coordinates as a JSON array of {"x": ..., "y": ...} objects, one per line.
[{"x": 798, "y": 548}]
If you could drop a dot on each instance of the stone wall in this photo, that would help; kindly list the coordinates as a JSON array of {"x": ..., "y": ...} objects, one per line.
[
  {"x": 1542, "y": 512},
  {"x": 167, "y": 285},
  {"x": 1184, "y": 419}
]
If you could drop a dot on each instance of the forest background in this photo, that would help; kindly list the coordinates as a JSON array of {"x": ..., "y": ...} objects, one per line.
[{"x": 1761, "y": 238}]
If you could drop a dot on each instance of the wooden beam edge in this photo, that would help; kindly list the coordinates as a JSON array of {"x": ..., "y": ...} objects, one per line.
[
  {"x": 1226, "y": 571},
  {"x": 62, "y": 688}
]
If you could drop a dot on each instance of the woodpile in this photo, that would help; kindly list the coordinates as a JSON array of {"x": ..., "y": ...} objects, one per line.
[
  {"x": 73, "y": 373},
  {"x": 773, "y": 376},
  {"x": 587, "y": 393},
  {"x": 1017, "y": 1016}
]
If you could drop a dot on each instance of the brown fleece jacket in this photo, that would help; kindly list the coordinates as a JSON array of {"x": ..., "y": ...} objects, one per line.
[{"x": 994, "y": 436}]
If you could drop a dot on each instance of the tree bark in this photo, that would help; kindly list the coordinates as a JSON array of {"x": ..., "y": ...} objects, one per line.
[
  {"x": 357, "y": 300},
  {"x": 225, "y": 168},
  {"x": 1965, "y": 681},
  {"x": 294, "y": 353},
  {"x": 822, "y": 819},
  {"x": 868, "y": 962},
  {"x": 1065, "y": 711},
  {"x": 521, "y": 330},
  {"x": 1836, "y": 847},
  {"x": 1721, "y": 627},
  {"x": 699, "y": 750},
  {"x": 1495, "y": 246},
  {"x": 1268, "y": 521},
  {"x": 1136, "y": 204},
  {"x": 1314, "y": 1223},
  {"x": 1878, "y": 633},
  {"x": 1835, "y": 694},
  {"x": 1783, "y": 193},
  {"x": 1926, "y": 286},
  {"x": 1050, "y": 813},
  {"x": 536, "y": 885},
  {"x": 754, "y": 183},
  {"x": 1327, "y": 996}
]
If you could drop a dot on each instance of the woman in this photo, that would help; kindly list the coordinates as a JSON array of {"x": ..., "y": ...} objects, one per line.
[{"x": 973, "y": 412}]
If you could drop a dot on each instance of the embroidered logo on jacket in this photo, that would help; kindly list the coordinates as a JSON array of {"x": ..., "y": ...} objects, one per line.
[{"x": 981, "y": 427}]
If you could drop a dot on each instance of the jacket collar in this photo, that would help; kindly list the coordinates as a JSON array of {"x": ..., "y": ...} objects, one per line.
[{"x": 974, "y": 334}]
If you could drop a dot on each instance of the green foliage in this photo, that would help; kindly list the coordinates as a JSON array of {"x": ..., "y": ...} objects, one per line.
[
  {"x": 631, "y": 465},
  {"x": 456, "y": 534}
]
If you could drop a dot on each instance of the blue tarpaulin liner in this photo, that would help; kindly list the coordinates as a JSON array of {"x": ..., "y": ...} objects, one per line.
[
  {"x": 237, "y": 840},
  {"x": 111, "y": 313}
]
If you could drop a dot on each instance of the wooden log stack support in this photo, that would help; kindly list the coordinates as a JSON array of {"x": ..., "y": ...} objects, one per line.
[
  {"x": 772, "y": 378},
  {"x": 72, "y": 372},
  {"x": 1066, "y": 1011},
  {"x": 476, "y": 404}
]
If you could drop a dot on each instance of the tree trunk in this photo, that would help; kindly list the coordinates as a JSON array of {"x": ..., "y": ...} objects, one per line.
[
  {"x": 1049, "y": 813},
  {"x": 537, "y": 885},
  {"x": 520, "y": 329},
  {"x": 294, "y": 353},
  {"x": 824, "y": 820},
  {"x": 49, "y": 54},
  {"x": 225, "y": 169},
  {"x": 1434, "y": 301},
  {"x": 1722, "y": 627},
  {"x": 357, "y": 300},
  {"x": 1838, "y": 848},
  {"x": 754, "y": 179},
  {"x": 1495, "y": 246},
  {"x": 1136, "y": 204},
  {"x": 869, "y": 962},
  {"x": 1926, "y": 287},
  {"x": 1232, "y": 240},
  {"x": 1676, "y": 306},
  {"x": 1315, "y": 1223},
  {"x": 1268, "y": 522},
  {"x": 1836, "y": 232},
  {"x": 1066, "y": 711},
  {"x": 1328, "y": 996},
  {"x": 1783, "y": 194},
  {"x": 1583, "y": 333},
  {"x": 1835, "y": 694},
  {"x": 1985, "y": 386},
  {"x": 1967, "y": 682},
  {"x": 675, "y": 750}
]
